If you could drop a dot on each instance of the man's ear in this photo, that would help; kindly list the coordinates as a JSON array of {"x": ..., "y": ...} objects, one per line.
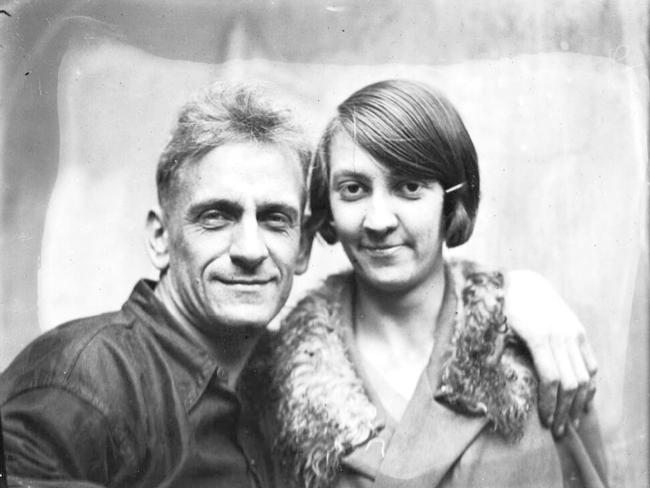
[
  {"x": 306, "y": 241},
  {"x": 157, "y": 239}
]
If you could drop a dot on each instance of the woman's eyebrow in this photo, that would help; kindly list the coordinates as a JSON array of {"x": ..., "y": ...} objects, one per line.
[
  {"x": 399, "y": 176},
  {"x": 349, "y": 173}
]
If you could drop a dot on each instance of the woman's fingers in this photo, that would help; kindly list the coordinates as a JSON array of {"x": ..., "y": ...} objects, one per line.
[
  {"x": 578, "y": 406},
  {"x": 592, "y": 368},
  {"x": 591, "y": 392},
  {"x": 587, "y": 354},
  {"x": 563, "y": 357},
  {"x": 549, "y": 381},
  {"x": 583, "y": 381},
  {"x": 568, "y": 385}
]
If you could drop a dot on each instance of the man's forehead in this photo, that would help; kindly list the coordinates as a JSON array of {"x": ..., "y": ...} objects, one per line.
[{"x": 261, "y": 173}]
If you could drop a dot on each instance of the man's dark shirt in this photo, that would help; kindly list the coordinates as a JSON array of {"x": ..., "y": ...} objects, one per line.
[{"x": 127, "y": 399}]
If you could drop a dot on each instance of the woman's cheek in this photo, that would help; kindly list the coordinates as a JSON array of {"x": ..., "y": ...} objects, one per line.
[{"x": 348, "y": 223}]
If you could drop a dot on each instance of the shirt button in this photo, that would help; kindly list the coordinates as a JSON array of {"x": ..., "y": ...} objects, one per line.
[{"x": 222, "y": 375}]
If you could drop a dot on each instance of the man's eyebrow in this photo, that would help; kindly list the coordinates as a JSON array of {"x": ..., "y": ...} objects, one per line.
[
  {"x": 273, "y": 206},
  {"x": 236, "y": 209},
  {"x": 228, "y": 206}
]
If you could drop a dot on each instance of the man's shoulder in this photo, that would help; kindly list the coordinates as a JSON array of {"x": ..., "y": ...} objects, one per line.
[{"x": 72, "y": 356}]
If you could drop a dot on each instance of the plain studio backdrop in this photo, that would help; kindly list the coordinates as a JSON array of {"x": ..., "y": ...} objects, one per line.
[{"x": 553, "y": 92}]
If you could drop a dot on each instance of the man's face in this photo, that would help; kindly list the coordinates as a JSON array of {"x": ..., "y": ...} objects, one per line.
[{"x": 234, "y": 231}]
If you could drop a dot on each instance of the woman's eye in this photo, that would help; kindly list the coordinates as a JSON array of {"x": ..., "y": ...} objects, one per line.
[
  {"x": 351, "y": 190},
  {"x": 411, "y": 188},
  {"x": 213, "y": 219}
]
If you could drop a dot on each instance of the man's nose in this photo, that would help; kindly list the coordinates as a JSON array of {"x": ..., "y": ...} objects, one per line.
[
  {"x": 380, "y": 217},
  {"x": 247, "y": 248}
]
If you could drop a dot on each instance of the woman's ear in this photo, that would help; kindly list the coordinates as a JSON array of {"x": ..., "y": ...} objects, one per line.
[{"x": 157, "y": 239}]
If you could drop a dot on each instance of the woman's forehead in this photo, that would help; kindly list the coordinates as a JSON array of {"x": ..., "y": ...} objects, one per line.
[{"x": 347, "y": 155}]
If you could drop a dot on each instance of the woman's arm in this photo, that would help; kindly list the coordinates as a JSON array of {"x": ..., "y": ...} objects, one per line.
[{"x": 563, "y": 357}]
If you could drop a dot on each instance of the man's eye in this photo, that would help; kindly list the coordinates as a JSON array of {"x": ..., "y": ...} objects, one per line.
[
  {"x": 213, "y": 219},
  {"x": 351, "y": 190},
  {"x": 277, "y": 220}
]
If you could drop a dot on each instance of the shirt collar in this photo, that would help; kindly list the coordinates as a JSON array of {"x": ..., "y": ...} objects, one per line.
[{"x": 190, "y": 363}]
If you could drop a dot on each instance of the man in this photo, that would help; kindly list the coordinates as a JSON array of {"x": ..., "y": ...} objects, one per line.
[{"x": 149, "y": 395}]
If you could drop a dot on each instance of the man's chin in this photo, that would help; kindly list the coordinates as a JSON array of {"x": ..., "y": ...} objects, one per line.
[
  {"x": 247, "y": 319},
  {"x": 238, "y": 310}
]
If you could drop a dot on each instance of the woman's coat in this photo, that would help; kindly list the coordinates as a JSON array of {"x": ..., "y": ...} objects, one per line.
[{"x": 472, "y": 421}]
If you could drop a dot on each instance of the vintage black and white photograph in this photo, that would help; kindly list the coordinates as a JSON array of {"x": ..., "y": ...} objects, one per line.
[{"x": 324, "y": 244}]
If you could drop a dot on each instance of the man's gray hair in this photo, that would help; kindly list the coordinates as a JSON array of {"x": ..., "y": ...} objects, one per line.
[{"x": 222, "y": 114}]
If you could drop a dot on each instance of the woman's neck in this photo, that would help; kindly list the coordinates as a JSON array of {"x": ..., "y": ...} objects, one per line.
[
  {"x": 407, "y": 317},
  {"x": 394, "y": 333}
]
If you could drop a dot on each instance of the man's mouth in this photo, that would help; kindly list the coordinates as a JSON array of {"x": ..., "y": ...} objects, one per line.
[{"x": 246, "y": 281}]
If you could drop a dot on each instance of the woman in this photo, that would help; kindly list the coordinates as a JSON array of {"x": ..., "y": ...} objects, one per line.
[{"x": 405, "y": 372}]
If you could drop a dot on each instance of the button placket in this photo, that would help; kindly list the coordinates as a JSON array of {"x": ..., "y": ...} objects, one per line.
[{"x": 222, "y": 375}]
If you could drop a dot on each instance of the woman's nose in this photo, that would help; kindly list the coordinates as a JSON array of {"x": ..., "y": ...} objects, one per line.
[
  {"x": 380, "y": 217},
  {"x": 247, "y": 248}
]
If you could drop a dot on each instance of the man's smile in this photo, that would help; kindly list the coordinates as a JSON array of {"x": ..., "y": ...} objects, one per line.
[
  {"x": 248, "y": 281},
  {"x": 245, "y": 282}
]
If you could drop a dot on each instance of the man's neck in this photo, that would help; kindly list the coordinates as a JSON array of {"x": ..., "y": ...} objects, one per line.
[
  {"x": 232, "y": 351},
  {"x": 231, "y": 347}
]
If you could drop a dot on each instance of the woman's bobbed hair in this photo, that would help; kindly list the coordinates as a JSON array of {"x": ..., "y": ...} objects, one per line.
[{"x": 414, "y": 131}]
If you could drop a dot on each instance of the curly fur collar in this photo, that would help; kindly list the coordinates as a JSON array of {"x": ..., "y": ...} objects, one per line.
[{"x": 319, "y": 405}]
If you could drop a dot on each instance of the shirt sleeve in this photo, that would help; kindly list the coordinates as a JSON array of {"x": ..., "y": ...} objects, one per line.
[
  {"x": 52, "y": 434},
  {"x": 19, "y": 482}
]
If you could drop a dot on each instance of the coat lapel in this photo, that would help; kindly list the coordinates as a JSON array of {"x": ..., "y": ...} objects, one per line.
[
  {"x": 428, "y": 440},
  {"x": 430, "y": 436},
  {"x": 365, "y": 460}
]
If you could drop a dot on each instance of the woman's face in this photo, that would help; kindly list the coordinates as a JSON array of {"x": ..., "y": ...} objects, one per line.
[{"x": 389, "y": 226}]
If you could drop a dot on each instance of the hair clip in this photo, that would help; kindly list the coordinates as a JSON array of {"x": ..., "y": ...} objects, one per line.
[{"x": 455, "y": 187}]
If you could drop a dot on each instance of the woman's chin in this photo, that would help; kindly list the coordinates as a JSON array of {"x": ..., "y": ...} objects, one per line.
[
  {"x": 395, "y": 279},
  {"x": 387, "y": 282}
]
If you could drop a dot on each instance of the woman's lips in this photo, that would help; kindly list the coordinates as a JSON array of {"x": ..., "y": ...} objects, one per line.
[{"x": 381, "y": 250}]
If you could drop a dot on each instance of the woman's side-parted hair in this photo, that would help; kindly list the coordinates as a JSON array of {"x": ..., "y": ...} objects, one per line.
[
  {"x": 228, "y": 113},
  {"x": 414, "y": 131}
]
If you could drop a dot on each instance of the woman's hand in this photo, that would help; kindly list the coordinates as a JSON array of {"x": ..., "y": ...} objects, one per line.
[{"x": 563, "y": 357}]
